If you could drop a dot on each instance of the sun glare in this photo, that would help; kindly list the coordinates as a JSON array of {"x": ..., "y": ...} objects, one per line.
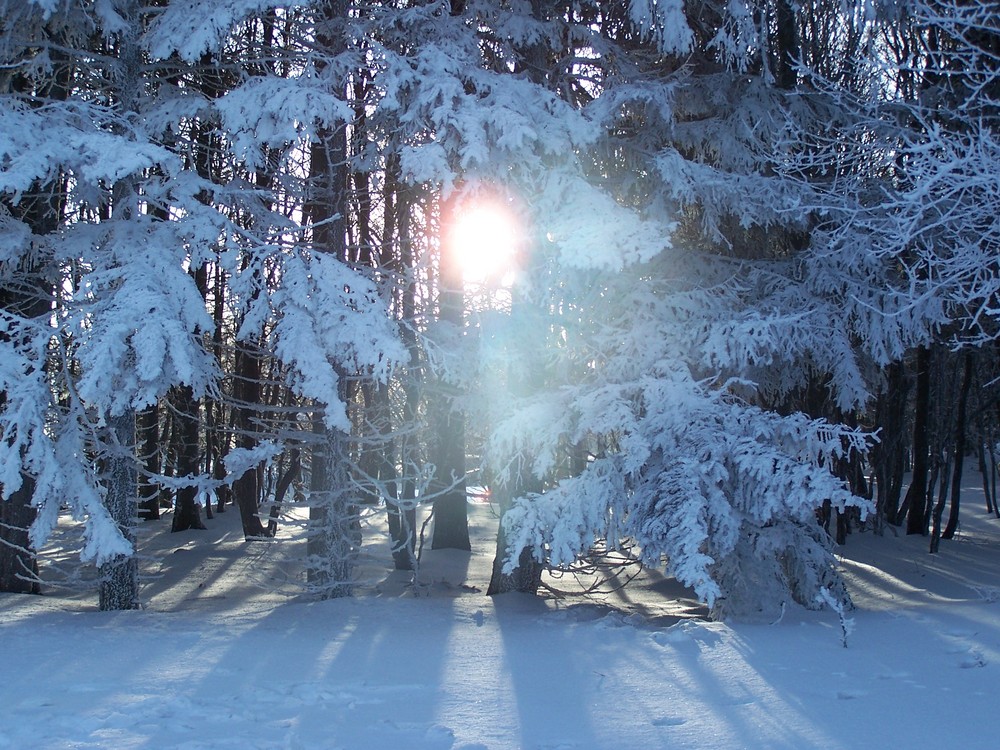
[{"x": 484, "y": 243}]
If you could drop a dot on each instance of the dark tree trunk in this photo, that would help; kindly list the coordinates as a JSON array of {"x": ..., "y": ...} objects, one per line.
[
  {"x": 916, "y": 496},
  {"x": 215, "y": 414},
  {"x": 451, "y": 512},
  {"x": 202, "y": 466},
  {"x": 887, "y": 455},
  {"x": 960, "y": 429},
  {"x": 402, "y": 518},
  {"x": 334, "y": 527},
  {"x": 936, "y": 471},
  {"x": 18, "y": 564},
  {"x": 526, "y": 575},
  {"x": 843, "y": 527},
  {"x": 246, "y": 489},
  {"x": 168, "y": 453},
  {"x": 938, "y": 509},
  {"x": 451, "y": 519},
  {"x": 787, "y": 47},
  {"x": 293, "y": 472},
  {"x": 187, "y": 512},
  {"x": 988, "y": 471},
  {"x": 119, "y": 587},
  {"x": 523, "y": 380},
  {"x": 148, "y": 428}
]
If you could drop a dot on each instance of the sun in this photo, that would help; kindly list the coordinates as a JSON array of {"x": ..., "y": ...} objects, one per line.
[{"x": 483, "y": 242}]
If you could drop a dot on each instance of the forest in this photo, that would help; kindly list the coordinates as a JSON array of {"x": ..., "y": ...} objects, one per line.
[{"x": 709, "y": 286}]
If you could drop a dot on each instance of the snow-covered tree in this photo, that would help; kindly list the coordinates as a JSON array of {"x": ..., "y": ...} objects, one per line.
[
  {"x": 736, "y": 218},
  {"x": 906, "y": 179},
  {"x": 128, "y": 321},
  {"x": 661, "y": 306}
]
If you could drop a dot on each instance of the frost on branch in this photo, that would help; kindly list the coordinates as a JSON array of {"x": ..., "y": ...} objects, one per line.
[
  {"x": 328, "y": 316},
  {"x": 136, "y": 276},
  {"x": 658, "y": 370},
  {"x": 187, "y": 28},
  {"x": 255, "y": 115},
  {"x": 721, "y": 493},
  {"x": 664, "y": 22}
]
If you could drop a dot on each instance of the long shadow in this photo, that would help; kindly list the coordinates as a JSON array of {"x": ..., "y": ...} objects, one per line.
[
  {"x": 346, "y": 673},
  {"x": 387, "y": 671},
  {"x": 545, "y": 678},
  {"x": 898, "y": 669},
  {"x": 738, "y": 701},
  {"x": 200, "y": 569},
  {"x": 350, "y": 673}
]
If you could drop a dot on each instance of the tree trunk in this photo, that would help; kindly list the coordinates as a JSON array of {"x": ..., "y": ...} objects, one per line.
[
  {"x": 187, "y": 512},
  {"x": 787, "y": 46},
  {"x": 451, "y": 515},
  {"x": 215, "y": 415},
  {"x": 939, "y": 508},
  {"x": 887, "y": 455},
  {"x": 526, "y": 576},
  {"x": 960, "y": 429},
  {"x": 334, "y": 530},
  {"x": 451, "y": 512},
  {"x": 988, "y": 470},
  {"x": 937, "y": 471},
  {"x": 41, "y": 209},
  {"x": 246, "y": 489},
  {"x": 18, "y": 564},
  {"x": 916, "y": 496},
  {"x": 119, "y": 587},
  {"x": 402, "y": 518},
  {"x": 524, "y": 379},
  {"x": 148, "y": 427},
  {"x": 293, "y": 472}
]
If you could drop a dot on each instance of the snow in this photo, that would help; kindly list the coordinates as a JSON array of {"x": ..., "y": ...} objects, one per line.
[{"x": 226, "y": 656}]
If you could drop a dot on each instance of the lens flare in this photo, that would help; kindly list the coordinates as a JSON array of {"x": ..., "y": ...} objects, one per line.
[{"x": 484, "y": 241}]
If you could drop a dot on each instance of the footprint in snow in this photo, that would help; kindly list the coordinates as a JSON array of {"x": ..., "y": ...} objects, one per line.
[
  {"x": 440, "y": 733},
  {"x": 670, "y": 636},
  {"x": 973, "y": 660},
  {"x": 85, "y": 688},
  {"x": 669, "y": 721},
  {"x": 312, "y": 694},
  {"x": 685, "y": 631},
  {"x": 850, "y": 695},
  {"x": 959, "y": 632},
  {"x": 970, "y": 658},
  {"x": 894, "y": 675}
]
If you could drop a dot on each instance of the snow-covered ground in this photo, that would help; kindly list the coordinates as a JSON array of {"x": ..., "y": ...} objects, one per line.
[{"x": 224, "y": 656}]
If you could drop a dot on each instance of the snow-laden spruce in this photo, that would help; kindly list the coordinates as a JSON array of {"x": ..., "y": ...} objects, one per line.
[
  {"x": 722, "y": 493},
  {"x": 909, "y": 183},
  {"x": 669, "y": 308},
  {"x": 136, "y": 211}
]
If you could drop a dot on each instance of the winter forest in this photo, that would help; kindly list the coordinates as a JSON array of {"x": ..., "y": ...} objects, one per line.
[{"x": 709, "y": 288}]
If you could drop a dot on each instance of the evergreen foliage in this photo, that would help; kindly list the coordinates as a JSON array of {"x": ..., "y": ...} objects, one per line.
[{"x": 737, "y": 223}]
